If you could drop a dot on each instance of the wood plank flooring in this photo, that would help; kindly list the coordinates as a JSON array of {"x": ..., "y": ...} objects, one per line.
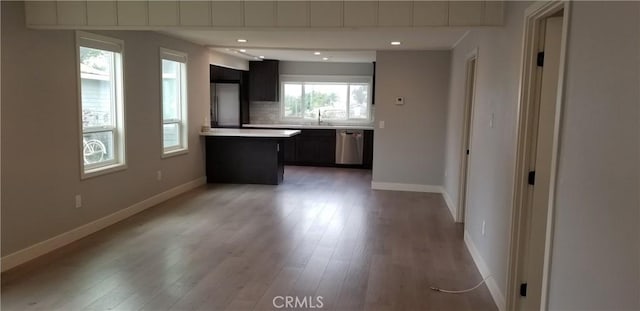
[{"x": 323, "y": 232}]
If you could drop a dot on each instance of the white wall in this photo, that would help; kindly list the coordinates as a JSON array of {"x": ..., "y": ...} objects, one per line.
[
  {"x": 409, "y": 151},
  {"x": 595, "y": 261},
  {"x": 224, "y": 60},
  {"x": 492, "y": 152},
  {"x": 40, "y": 137}
]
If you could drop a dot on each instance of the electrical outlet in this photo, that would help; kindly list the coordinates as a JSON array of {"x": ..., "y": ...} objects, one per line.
[
  {"x": 78, "y": 201},
  {"x": 159, "y": 175},
  {"x": 483, "y": 227},
  {"x": 381, "y": 124}
]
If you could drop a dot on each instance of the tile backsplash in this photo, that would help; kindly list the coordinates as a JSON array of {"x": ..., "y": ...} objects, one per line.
[
  {"x": 269, "y": 113},
  {"x": 264, "y": 112}
]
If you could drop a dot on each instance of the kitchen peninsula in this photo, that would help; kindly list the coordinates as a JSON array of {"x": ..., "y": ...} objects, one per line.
[{"x": 253, "y": 156}]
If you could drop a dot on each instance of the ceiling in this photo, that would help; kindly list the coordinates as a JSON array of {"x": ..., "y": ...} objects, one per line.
[
  {"x": 297, "y": 55},
  {"x": 350, "y": 45}
]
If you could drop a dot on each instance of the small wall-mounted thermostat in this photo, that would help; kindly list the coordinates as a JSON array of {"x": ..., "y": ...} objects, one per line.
[{"x": 399, "y": 100}]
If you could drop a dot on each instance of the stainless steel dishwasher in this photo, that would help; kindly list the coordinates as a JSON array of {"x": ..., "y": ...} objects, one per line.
[{"x": 349, "y": 146}]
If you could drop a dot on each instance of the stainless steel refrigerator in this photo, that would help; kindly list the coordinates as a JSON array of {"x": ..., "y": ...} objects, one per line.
[{"x": 225, "y": 104}]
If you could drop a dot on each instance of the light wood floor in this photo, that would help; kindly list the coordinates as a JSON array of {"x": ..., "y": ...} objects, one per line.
[{"x": 236, "y": 247}]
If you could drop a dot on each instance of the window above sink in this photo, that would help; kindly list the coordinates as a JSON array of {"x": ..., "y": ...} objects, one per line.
[{"x": 325, "y": 99}]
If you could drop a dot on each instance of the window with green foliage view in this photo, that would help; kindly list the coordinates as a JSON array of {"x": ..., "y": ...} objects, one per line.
[{"x": 330, "y": 100}]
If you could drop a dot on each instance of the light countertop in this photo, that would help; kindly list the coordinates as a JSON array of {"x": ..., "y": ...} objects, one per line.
[
  {"x": 311, "y": 126},
  {"x": 225, "y": 132}
]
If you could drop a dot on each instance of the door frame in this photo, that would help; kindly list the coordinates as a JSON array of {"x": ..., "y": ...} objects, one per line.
[
  {"x": 534, "y": 16},
  {"x": 467, "y": 131}
]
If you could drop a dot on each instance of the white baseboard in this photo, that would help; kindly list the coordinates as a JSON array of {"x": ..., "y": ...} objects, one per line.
[
  {"x": 492, "y": 285},
  {"x": 418, "y": 188},
  {"x": 41, "y": 248},
  {"x": 405, "y": 187},
  {"x": 452, "y": 208}
]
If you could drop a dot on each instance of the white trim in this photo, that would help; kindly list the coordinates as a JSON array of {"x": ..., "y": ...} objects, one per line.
[
  {"x": 460, "y": 39},
  {"x": 44, "y": 247},
  {"x": 418, "y": 188},
  {"x": 103, "y": 170},
  {"x": 405, "y": 187},
  {"x": 467, "y": 132},
  {"x": 553, "y": 176},
  {"x": 452, "y": 207},
  {"x": 176, "y": 56},
  {"x": 94, "y": 41},
  {"x": 534, "y": 14},
  {"x": 492, "y": 284},
  {"x": 183, "y": 123},
  {"x": 174, "y": 152}
]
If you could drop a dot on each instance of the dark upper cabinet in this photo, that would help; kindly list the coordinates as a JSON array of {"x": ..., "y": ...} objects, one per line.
[
  {"x": 218, "y": 74},
  {"x": 264, "y": 80},
  {"x": 244, "y": 98},
  {"x": 373, "y": 85}
]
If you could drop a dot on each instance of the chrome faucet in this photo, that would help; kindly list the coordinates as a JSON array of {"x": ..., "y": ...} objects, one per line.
[{"x": 319, "y": 117}]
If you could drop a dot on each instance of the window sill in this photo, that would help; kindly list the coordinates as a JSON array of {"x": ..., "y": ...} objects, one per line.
[
  {"x": 86, "y": 174},
  {"x": 174, "y": 153}
]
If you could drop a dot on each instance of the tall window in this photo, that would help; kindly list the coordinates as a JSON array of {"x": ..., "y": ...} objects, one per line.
[
  {"x": 174, "y": 102},
  {"x": 102, "y": 103},
  {"x": 330, "y": 98}
]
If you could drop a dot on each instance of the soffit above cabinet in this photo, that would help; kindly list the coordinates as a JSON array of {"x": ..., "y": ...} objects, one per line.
[{"x": 337, "y": 15}]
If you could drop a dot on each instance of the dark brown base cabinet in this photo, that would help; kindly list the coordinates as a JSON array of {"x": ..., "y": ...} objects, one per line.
[
  {"x": 367, "y": 156},
  {"x": 317, "y": 147},
  {"x": 245, "y": 160}
]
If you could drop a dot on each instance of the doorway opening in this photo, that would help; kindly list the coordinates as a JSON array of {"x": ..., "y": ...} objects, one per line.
[
  {"x": 469, "y": 97},
  {"x": 541, "y": 93}
]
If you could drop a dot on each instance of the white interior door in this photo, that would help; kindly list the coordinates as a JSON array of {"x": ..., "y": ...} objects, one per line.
[
  {"x": 540, "y": 199},
  {"x": 466, "y": 136},
  {"x": 228, "y": 104}
]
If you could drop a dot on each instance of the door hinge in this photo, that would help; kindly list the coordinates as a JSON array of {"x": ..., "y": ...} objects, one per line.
[
  {"x": 467, "y": 151},
  {"x": 523, "y": 290},
  {"x": 540, "y": 59},
  {"x": 531, "y": 179}
]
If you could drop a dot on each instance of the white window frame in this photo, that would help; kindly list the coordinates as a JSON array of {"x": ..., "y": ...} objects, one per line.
[
  {"x": 328, "y": 79},
  {"x": 182, "y": 121},
  {"x": 94, "y": 41}
]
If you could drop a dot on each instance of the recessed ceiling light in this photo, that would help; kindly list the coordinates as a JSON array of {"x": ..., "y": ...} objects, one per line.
[
  {"x": 316, "y": 53},
  {"x": 243, "y": 50},
  {"x": 325, "y": 58},
  {"x": 242, "y": 40},
  {"x": 261, "y": 56},
  {"x": 395, "y": 43}
]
